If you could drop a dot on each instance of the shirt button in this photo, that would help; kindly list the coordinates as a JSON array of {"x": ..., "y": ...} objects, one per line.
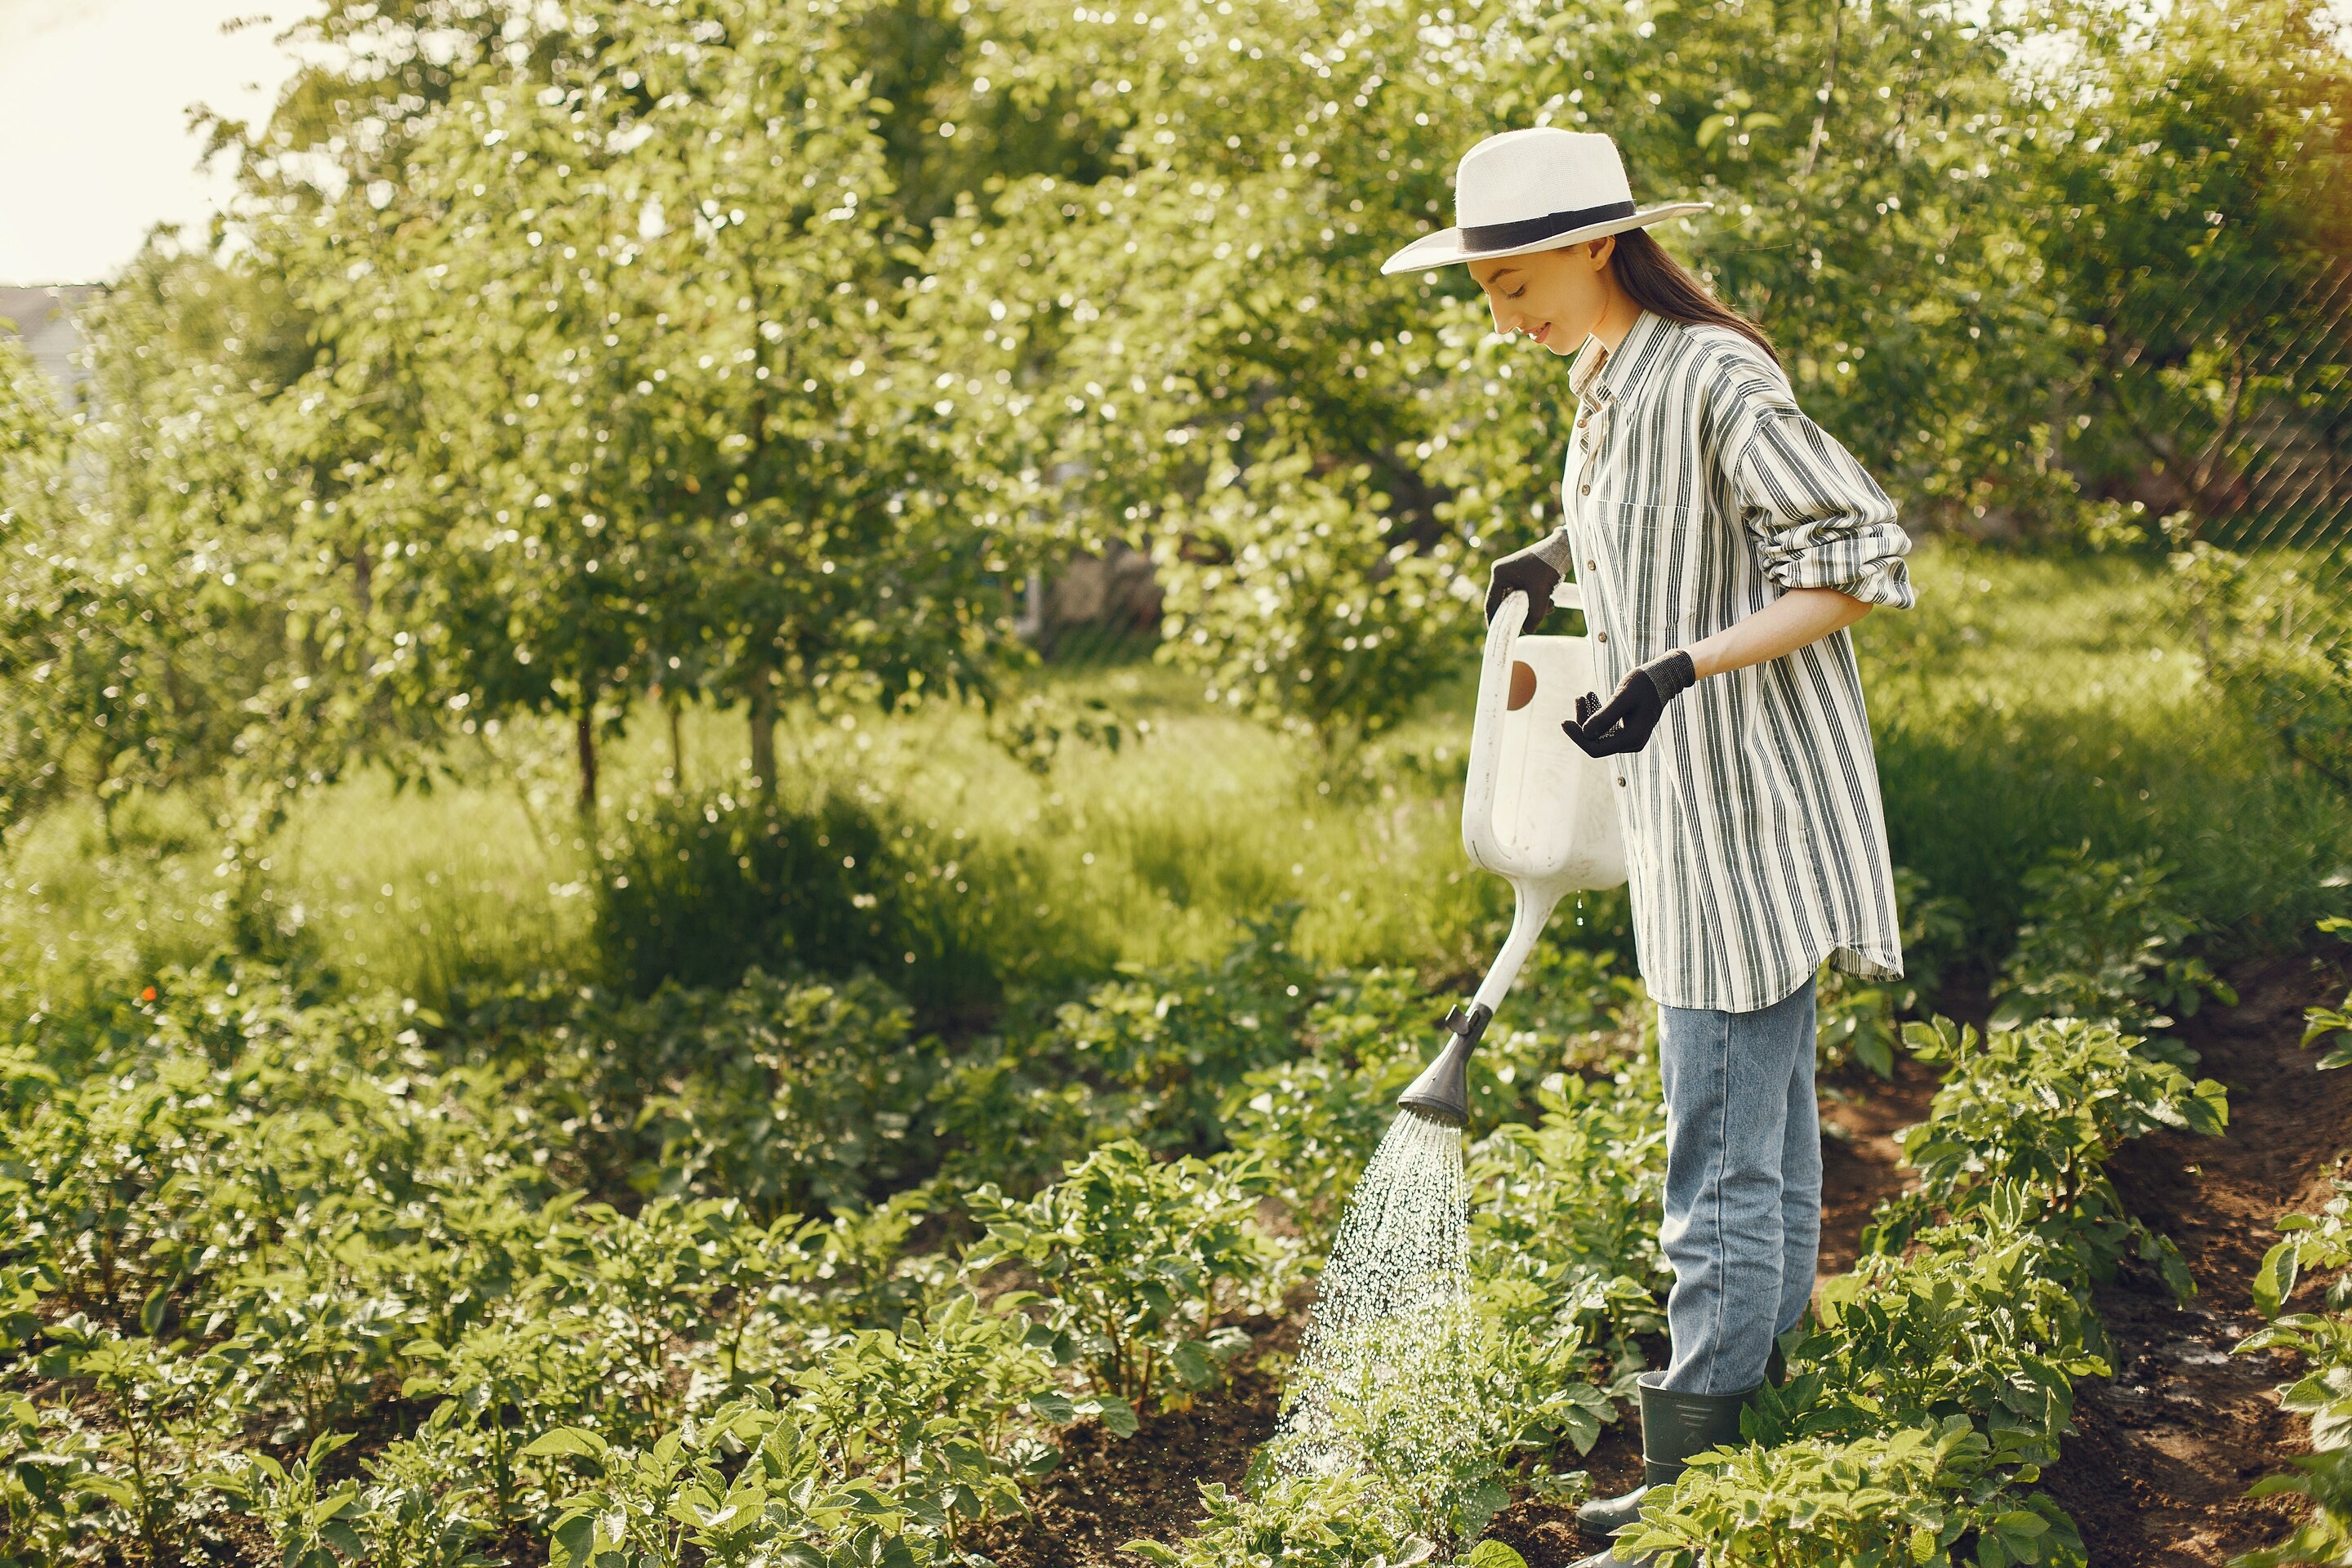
[
  {"x": 1586, "y": 490},
  {"x": 1600, "y": 637},
  {"x": 1591, "y": 564},
  {"x": 1621, "y": 784}
]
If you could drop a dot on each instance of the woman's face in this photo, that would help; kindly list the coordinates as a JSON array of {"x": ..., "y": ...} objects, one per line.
[{"x": 1555, "y": 297}]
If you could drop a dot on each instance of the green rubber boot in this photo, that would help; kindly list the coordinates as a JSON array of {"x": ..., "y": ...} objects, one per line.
[{"x": 1673, "y": 1428}]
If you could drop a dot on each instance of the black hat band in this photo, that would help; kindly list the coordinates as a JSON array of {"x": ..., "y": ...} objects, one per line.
[{"x": 1530, "y": 230}]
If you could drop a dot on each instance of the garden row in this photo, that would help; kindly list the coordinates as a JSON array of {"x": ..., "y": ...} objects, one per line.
[
  {"x": 1934, "y": 1384},
  {"x": 718, "y": 1274},
  {"x": 2315, "y": 1245}
]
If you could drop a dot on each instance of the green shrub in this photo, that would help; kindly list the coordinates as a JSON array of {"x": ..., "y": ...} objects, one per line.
[
  {"x": 785, "y": 1092},
  {"x": 1569, "y": 1206},
  {"x": 2044, "y": 1107},
  {"x": 1138, "y": 1261},
  {"x": 1292, "y": 1521},
  {"x": 2105, "y": 939},
  {"x": 1911, "y": 1496},
  {"x": 1164, "y": 1048},
  {"x": 1438, "y": 1407},
  {"x": 2320, "y": 1023},
  {"x": 2314, "y": 1244},
  {"x": 1976, "y": 1323},
  {"x": 697, "y": 891}
]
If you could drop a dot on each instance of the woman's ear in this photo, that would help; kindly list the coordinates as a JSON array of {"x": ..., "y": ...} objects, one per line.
[{"x": 1602, "y": 250}]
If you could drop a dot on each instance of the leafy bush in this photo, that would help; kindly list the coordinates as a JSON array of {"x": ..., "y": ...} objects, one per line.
[
  {"x": 697, "y": 891},
  {"x": 1976, "y": 1323},
  {"x": 1138, "y": 1261},
  {"x": 2278, "y": 642},
  {"x": 1294, "y": 1521},
  {"x": 2043, "y": 1108},
  {"x": 785, "y": 1092},
  {"x": 1909, "y": 1496},
  {"x": 2324, "y": 1394},
  {"x": 1448, "y": 1401},
  {"x": 1568, "y": 1209},
  {"x": 2103, "y": 939},
  {"x": 1164, "y": 1048},
  {"x": 2319, "y": 1022}
]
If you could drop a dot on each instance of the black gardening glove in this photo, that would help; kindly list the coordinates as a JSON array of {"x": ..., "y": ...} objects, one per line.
[
  {"x": 1624, "y": 723},
  {"x": 1525, "y": 573}
]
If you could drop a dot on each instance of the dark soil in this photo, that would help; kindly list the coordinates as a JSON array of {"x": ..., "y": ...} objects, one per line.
[
  {"x": 2164, "y": 1451},
  {"x": 1111, "y": 1491}
]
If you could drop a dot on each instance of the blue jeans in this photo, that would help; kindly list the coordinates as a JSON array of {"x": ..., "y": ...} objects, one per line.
[{"x": 1743, "y": 1209}]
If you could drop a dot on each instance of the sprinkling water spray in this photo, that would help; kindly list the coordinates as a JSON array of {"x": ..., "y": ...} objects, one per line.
[{"x": 1535, "y": 810}]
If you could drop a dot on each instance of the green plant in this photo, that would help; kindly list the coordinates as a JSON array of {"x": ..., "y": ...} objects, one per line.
[
  {"x": 1138, "y": 1261},
  {"x": 2044, "y": 1107},
  {"x": 939, "y": 1411},
  {"x": 2314, "y": 1245},
  {"x": 309, "y": 1526},
  {"x": 1976, "y": 1322},
  {"x": 1568, "y": 1207},
  {"x": 1910, "y": 1496},
  {"x": 415, "y": 1514},
  {"x": 2103, "y": 939},
  {"x": 164, "y": 1421},
  {"x": 1863, "y": 1020},
  {"x": 2319, "y": 1022},
  {"x": 1293, "y": 1522},
  {"x": 2323, "y": 1541}
]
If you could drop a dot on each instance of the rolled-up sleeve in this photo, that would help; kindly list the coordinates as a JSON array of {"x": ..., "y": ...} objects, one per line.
[{"x": 1817, "y": 518}]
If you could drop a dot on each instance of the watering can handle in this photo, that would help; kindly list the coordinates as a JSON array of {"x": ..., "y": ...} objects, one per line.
[{"x": 1486, "y": 734}]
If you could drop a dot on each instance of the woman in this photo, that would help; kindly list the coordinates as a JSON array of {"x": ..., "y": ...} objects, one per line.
[{"x": 1724, "y": 543}]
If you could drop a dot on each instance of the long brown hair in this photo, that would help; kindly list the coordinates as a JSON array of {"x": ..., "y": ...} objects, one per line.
[{"x": 1658, "y": 282}]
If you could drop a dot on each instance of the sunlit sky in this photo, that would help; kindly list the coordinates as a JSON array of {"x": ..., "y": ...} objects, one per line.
[{"x": 95, "y": 145}]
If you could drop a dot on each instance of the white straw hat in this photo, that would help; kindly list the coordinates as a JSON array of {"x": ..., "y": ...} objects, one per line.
[{"x": 1534, "y": 190}]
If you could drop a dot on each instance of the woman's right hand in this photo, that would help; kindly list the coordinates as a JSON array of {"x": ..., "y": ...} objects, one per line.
[{"x": 1525, "y": 572}]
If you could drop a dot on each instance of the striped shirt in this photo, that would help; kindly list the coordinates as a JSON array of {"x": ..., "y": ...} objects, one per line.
[{"x": 1696, "y": 492}]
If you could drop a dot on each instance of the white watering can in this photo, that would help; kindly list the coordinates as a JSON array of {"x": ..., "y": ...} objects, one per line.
[{"x": 1536, "y": 811}]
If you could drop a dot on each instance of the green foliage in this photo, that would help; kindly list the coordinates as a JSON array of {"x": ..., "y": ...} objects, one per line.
[
  {"x": 1565, "y": 1209},
  {"x": 310, "y": 1525},
  {"x": 2319, "y": 1022},
  {"x": 1979, "y": 1323},
  {"x": 2103, "y": 939},
  {"x": 696, "y": 891},
  {"x": 1863, "y": 1020},
  {"x": 2274, "y": 640},
  {"x": 2044, "y": 1107},
  {"x": 1907, "y": 1496},
  {"x": 1167, "y": 1046},
  {"x": 2314, "y": 1244},
  {"x": 1293, "y": 1522},
  {"x": 2325, "y": 1538},
  {"x": 1482, "y": 1385},
  {"x": 2324, "y": 1394},
  {"x": 1138, "y": 1261}
]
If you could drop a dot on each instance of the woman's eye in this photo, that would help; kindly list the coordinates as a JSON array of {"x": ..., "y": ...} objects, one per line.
[{"x": 1516, "y": 293}]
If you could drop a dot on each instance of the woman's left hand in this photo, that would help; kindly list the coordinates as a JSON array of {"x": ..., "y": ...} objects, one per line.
[{"x": 1632, "y": 712}]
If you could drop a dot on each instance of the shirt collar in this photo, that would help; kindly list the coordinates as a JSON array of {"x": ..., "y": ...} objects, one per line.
[{"x": 1615, "y": 373}]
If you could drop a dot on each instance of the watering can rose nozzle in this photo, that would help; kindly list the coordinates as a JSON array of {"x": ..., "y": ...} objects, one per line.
[{"x": 1442, "y": 1092}]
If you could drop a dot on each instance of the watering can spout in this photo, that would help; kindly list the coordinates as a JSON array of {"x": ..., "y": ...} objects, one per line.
[{"x": 1442, "y": 1092}]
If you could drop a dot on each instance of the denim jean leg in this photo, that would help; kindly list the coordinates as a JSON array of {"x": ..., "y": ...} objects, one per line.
[
  {"x": 1801, "y": 1169},
  {"x": 1727, "y": 1078}
]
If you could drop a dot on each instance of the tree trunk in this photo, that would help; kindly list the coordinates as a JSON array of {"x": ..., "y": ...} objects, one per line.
[
  {"x": 677, "y": 745},
  {"x": 584, "y": 737},
  {"x": 764, "y": 732}
]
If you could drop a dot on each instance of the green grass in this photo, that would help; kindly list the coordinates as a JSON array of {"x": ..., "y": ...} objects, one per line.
[
  {"x": 2031, "y": 704},
  {"x": 2024, "y": 705}
]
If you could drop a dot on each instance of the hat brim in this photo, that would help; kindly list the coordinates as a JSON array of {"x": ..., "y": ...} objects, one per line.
[{"x": 1447, "y": 245}]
